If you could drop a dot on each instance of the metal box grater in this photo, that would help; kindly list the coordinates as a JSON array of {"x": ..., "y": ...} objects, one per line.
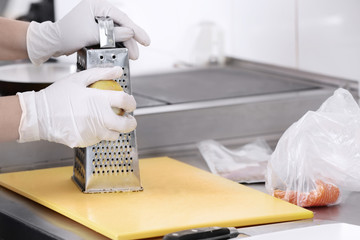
[{"x": 109, "y": 166}]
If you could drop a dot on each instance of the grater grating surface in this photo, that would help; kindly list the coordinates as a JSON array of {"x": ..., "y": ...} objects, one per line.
[{"x": 109, "y": 166}]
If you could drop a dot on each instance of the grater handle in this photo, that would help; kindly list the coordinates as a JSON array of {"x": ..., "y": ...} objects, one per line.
[{"x": 106, "y": 31}]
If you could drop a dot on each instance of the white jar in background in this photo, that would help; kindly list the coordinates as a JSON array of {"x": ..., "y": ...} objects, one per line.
[{"x": 207, "y": 45}]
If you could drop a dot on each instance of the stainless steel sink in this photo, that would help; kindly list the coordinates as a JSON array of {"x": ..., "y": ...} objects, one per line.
[
  {"x": 233, "y": 104},
  {"x": 215, "y": 83}
]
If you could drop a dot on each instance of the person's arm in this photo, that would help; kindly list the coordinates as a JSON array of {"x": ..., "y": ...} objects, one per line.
[
  {"x": 13, "y": 39},
  {"x": 70, "y": 113},
  {"x": 9, "y": 118},
  {"x": 80, "y": 117}
]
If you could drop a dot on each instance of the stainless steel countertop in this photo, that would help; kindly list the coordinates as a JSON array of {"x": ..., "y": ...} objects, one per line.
[{"x": 23, "y": 214}]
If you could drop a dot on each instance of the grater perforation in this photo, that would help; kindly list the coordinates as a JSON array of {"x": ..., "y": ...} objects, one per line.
[{"x": 109, "y": 166}]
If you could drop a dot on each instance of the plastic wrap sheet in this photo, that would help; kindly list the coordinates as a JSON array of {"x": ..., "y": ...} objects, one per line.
[{"x": 245, "y": 164}]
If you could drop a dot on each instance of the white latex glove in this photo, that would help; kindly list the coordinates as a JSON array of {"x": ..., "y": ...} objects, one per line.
[
  {"x": 78, "y": 29},
  {"x": 68, "y": 112}
]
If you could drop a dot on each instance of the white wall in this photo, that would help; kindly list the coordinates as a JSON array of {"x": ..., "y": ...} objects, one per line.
[
  {"x": 172, "y": 25},
  {"x": 264, "y": 31},
  {"x": 319, "y": 36},
  {"x": 329, "y": 37}
]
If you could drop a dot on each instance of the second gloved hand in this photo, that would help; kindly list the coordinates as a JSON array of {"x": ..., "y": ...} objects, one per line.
[
  {"x": 68, "y": 112},
  {"x": 78, "y": 29}
]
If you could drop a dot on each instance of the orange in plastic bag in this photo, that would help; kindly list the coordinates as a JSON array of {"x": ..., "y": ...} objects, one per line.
[{"x": 324, "y": 194}]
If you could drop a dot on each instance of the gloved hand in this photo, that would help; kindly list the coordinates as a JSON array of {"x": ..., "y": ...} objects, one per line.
[
  {"x": 78, "y": 29},
  {"x": 68, "y": 112}
]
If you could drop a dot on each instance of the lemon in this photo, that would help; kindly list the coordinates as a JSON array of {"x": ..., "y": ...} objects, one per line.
[{"x": 109, "y": 85}]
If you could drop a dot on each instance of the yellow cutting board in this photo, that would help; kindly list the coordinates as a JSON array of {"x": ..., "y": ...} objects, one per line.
[{"x": 176, "y": 196}]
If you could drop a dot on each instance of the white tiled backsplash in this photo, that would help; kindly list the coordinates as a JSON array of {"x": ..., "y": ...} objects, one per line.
[
  {"x": 329, "y": 37},
  {"x": 321, "y": 36}
]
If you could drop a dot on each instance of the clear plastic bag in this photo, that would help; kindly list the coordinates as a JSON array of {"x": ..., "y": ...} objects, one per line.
[
  {"x": 317, "y": 159},
  {"x": 246, "y": 164}
]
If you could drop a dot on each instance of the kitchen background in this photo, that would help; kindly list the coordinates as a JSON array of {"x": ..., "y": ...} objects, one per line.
[
  {"x": 320, "y": 36},
  {"x": 234, "y": 104}
]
